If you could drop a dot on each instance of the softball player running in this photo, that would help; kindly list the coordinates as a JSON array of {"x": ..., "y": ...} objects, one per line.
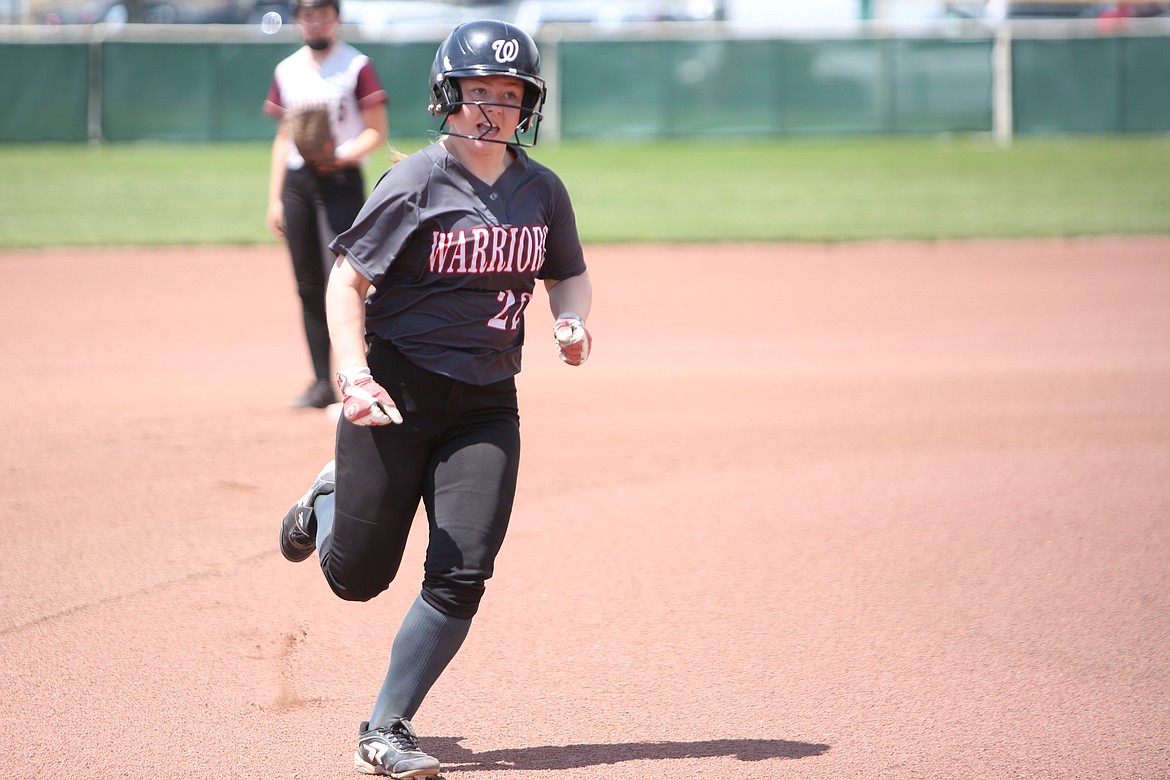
[
  {"x": 426, "y": 312},
  {"x": 307, "y": 205}
]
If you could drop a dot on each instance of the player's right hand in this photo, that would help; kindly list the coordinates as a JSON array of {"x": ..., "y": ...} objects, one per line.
[
  {"x": 275, "y": 218},
  {"x": 364, "y": 401}
]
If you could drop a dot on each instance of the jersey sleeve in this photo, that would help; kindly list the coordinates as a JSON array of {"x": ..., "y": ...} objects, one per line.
[
  {"x": 564, "y": 256},
  {"x": 368, "y": 90},
  {"x": 274, "y": 103},
  {"x": 384, "y": 225}
]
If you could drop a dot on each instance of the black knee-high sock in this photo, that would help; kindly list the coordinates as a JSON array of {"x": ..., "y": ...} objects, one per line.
[{"x": 426, "y": 642}]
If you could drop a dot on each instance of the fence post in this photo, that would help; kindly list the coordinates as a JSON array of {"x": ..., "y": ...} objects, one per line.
[
  {"x": 1001, "y": 84},
  {"x": 94, "y": 103},
  {"x": 550, "y": 71}
]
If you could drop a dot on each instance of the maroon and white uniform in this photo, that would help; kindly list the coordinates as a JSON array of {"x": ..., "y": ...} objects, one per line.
[
  {"x": 345, "y": 81},
  {"x": 320, "y": 204}
]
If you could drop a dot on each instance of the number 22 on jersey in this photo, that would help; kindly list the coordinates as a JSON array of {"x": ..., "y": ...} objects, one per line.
[{"x": 511, "y": 309}]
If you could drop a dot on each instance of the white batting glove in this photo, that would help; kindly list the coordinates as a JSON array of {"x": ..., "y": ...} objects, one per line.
[
  {"x": 364, "y": 401},
  {"x": 573, "y": 341}
]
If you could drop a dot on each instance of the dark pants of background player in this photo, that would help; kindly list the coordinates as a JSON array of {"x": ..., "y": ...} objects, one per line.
[
  {"x": 317, "y": 208},
  {"x": 458, "y": 450}
]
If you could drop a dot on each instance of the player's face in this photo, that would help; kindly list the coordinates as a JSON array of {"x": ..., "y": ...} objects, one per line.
[
  {"x": 498, "y": 111},
  {"x": 318, "y": 26}
]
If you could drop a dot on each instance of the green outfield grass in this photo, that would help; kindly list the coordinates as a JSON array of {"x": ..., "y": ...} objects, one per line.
[{"x": 709, "y": 190}]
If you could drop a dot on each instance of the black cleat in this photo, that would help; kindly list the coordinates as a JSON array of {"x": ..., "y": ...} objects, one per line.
[
  {"x": 392, "y": 750},
  {"x": 316, "y": 396},
  {"x": 298, "y": 529}
]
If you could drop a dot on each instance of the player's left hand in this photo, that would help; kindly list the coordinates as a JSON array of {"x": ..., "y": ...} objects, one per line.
[
  {"x": 364, "y": 401},
  {"x": 573, "y": 340}
]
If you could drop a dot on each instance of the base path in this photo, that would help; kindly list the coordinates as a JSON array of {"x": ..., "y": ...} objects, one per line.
[{"x": 855, "y": 511}]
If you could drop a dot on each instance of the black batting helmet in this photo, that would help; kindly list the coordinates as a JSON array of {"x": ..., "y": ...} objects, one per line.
[{"x": 488, "y": 48}]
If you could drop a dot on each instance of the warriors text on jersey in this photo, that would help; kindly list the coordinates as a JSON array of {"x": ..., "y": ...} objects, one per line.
[{"x": 454, "y": 261}]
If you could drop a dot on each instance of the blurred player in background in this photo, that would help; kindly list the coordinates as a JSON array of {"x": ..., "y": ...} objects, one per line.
[
  {"x": 309, "y": 205},
  {"x": 426, "y": 310}
]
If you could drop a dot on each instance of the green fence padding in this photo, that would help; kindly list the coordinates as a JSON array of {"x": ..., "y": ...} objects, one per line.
[
  {"x": 242, "y": 74},
  {"x": 49, "y": 100},
  {"x": 404, "y": 70},
  {"x": 832, "y": 87},
  {"x": 614, "y": 89},
  {"x": 617, "y": 88},
  {"x": 941, "y": 86},
  {"x": 1146, "y": 98},
  {"x": 209, "y": 91},
  {"x": 1067, "y": 86},
  {"x": 764, "y": 87},
  {"x": 158, "y": 91},
  {"x": 717, "y": 88}
]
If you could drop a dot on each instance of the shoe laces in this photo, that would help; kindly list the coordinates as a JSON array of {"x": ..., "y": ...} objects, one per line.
[{"x": 400, "y": 734}]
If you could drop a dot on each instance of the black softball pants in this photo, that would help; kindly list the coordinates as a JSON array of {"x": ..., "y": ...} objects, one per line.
[
  {"x": 458, "y": 452},
  {"x": 316, "y": 208}
]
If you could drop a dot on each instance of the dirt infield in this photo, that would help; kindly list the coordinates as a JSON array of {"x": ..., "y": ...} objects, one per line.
[{"x": 861, "y": 511}]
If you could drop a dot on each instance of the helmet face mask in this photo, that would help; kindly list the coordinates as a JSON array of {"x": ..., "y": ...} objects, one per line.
[{"x": 488, "y": 48}]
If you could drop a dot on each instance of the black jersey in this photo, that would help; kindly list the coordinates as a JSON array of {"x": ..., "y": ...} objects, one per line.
[{"x": 454, "y": 261}]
